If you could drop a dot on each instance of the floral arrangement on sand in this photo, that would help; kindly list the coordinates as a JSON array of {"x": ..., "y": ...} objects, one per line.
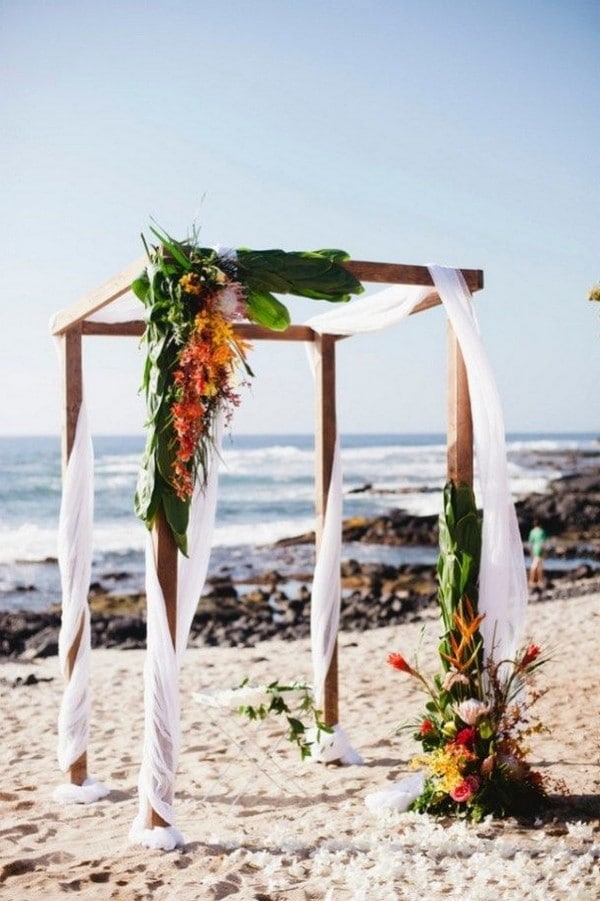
[
  {"x": 196, "y": 363},
  {"x": 476, "y": 723}
]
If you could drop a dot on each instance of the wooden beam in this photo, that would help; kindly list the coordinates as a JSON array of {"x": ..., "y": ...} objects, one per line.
[
  {"x": 71, "y": 347},
  {"x": 166, "y": 553},
  {"x": 98, "y": 298},
  {"x": 115, "y": 287},
  {"x": 114, "y": 329},
  {"x": 254, "y": 332},
  {"x": 325, "y": 438},
  {"x": 403, "y": 274},
  {"x": 247, "y": 330},
  {"x": 460, "y": 423}
]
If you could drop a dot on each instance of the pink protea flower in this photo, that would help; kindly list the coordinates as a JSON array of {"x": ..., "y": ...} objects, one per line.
[
  {"x": 230, "y": 301},
  {"x": 471, "y": 710},
  {"x": 453, "y": 678}
]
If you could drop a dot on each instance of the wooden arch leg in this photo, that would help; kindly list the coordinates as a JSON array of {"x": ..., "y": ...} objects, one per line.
[
  {"x": 78, "y": 771},
  {"x": 460, "y": 423},
  {"x": 325, "y": 438},
  {"x": 73, "y": 399},
  {"x": 166, "y": 566}
]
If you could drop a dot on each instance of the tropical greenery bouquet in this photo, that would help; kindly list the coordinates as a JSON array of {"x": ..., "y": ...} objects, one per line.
[
  {"x": 196, "y": 363},
  {"x": 292, "y": 701},
  {"x": 476, "y": 723}
]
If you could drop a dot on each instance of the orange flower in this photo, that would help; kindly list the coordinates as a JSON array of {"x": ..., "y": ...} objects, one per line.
[
  {"x": 203, "y": 385},
  {"x": 464, "y": 648}
]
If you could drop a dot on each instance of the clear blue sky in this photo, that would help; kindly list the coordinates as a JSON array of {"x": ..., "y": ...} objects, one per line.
[{"x": 465, "y": 134}]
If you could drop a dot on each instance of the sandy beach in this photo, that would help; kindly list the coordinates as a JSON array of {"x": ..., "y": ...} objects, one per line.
[{"x": 261, "y": 824}]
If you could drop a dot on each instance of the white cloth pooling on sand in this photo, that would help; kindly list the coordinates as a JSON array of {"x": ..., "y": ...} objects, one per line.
[{"x": 88, "y": 792}]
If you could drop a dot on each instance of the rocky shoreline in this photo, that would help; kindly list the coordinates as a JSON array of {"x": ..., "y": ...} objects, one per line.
[{"x": 374, "y": 594}]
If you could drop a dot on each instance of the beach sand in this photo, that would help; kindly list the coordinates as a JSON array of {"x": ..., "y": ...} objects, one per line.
[{"x": 259, "y": 823}]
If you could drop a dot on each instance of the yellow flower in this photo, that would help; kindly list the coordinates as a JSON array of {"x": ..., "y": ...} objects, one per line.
[
  {"x": 446, "y": 765},
  {"x": 190, "y": 283}
]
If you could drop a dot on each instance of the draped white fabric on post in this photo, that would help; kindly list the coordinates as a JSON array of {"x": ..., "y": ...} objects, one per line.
[
  {"x": 326, "y": 588},
  {"x": 503, "y": 589},
  {"x": 502, "y": 581},
  {"x": 75, "y": 563},
  {"x": 163, "y": 661}
]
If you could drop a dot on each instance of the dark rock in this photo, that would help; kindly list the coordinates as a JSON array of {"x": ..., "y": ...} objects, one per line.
[
  {"x": 125, "y": 629},
  {"x": 42, "y": 644}
]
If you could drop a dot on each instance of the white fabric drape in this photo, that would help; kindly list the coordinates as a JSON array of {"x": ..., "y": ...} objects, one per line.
[
  {"x": 368, "y": 314},
  {"x": 162, "y": 732},
  {"x": 503, "y": 589},
  {"x": 75, "y": 564},
  {"x": 326, "y": 588},
  {"x": 502, "y": 581}
]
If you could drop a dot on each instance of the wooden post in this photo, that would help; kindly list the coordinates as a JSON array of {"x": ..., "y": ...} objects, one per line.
[
  {"x": 166, "y": 552},
  {"x": 460, "y": 423},
  {"x": 325, "y": 435},
  {"x": 73, "y": 398}
]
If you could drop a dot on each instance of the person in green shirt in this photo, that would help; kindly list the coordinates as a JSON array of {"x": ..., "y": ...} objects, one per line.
[{"x": 537, "y": 544}]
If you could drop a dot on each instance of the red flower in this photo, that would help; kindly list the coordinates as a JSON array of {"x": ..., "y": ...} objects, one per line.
[
  {"x": 398, "y": 662},
  {"x": 465, "y": 791},
  {"x": 531, "y": 654},
  {"x": 466, "y": 737},
  {"x": 426, "y": 727}
]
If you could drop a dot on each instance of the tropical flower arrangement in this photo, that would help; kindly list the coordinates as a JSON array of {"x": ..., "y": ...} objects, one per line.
[
  {"x": 193, "y": 297},
  {"x": 476, "y": 723}
]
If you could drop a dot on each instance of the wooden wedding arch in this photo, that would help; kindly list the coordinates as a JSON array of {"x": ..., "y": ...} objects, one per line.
[{"x": 73, "y": 324}]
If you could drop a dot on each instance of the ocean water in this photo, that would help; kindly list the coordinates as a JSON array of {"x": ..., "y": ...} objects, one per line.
[{"x": 266, "y": 492}]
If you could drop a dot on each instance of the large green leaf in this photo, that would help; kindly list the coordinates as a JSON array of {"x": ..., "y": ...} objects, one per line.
[
  {"x": 145, "y": 487},
  {"x": 141, "y": 286},
  {"x": 177, "y": 513},
  {"x": 266, "y": 310},
  {"x": 308, "y": 274},
  {"x": 459, "y": 560}
]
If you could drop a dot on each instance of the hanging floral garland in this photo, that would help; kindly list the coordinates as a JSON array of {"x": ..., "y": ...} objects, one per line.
[{"x": 193, "y": 296}]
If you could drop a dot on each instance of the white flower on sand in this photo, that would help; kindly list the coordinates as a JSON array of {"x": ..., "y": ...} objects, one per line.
[{"x": 471, "y": 710}]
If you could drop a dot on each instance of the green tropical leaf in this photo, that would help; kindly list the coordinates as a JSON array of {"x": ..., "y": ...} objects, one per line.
[
  {"x": 177, "y": 513},
  {"x": 173, "y": 247},
  {"x": 145, "y": 488},
  {"x": 338, "y": 256},
  {"x": 308, "y": 274},
  {"x": 266, "y": 310},
  {"x": 141, "y": 286}
]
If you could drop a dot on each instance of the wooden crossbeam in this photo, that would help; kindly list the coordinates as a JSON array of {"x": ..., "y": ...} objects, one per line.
[{"x": 383, "y": 273}]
